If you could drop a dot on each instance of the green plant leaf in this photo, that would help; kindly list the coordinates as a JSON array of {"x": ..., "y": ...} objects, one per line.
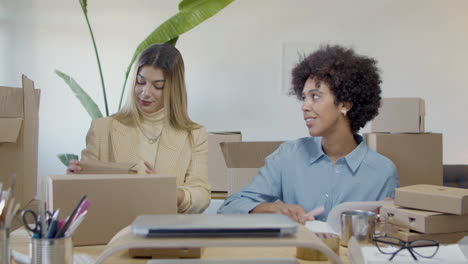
[
  {"x": 66, "y": 157},
  {"x": 173, "y": 41},
  {"x": 192, "y": 13},
  {"x": 188, "y": 3},
  {"x": 85, "y": 100},
  {"x": 84, "y": 6}
]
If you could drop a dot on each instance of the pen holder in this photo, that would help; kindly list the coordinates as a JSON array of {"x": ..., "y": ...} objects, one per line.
[
  {"x": 331, "y": 240},
  {"x": 5, "y": 255},
  {"x": 51, "y": 251}
]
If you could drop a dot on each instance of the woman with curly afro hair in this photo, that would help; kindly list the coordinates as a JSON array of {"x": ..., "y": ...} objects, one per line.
[{"x": 305, "y": 178}]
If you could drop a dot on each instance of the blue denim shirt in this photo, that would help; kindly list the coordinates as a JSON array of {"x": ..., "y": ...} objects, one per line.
[{"x": 299, "y": 172}]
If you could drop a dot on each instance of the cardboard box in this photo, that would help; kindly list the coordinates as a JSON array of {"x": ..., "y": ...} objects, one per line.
[
  {"x": 19, "y": 122},
  {"x": 115, "y": 201},
  {"x": 418, "y": 157},
  {"x": 433, "y": 198},
  {"x": 243, "y": 159},
  {"x": 400, "y": 115},
  {"x": 425, "y": 221},
  {"x": 217, "y": 174},
  {"x": 443, "y": 238}
]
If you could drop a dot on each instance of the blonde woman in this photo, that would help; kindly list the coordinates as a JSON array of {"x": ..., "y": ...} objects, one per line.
[{"x": 153, "y": 129}]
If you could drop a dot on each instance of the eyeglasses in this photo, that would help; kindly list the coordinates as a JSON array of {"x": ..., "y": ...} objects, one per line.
[{"x": 393, "y": 246}]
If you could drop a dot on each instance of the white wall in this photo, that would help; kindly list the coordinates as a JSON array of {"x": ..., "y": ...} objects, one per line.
[{"x": 233, "y": 61}]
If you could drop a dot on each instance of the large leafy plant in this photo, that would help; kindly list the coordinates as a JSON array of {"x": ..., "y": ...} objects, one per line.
[{"x": 191, "y": 13}]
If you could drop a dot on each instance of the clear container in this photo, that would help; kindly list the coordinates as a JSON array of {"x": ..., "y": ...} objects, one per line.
[{"x": 5, "y": 254}]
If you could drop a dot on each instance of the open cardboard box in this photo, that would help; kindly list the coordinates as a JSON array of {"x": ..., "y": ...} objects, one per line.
[
  {"x": 19, "y": 122},
  {"x": 243, "y": 159},
  {"x": 400, "y": 115},
  {"x": 442, "y": 199}
]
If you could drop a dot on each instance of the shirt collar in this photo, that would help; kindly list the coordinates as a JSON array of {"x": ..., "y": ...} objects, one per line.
[
  {"x": 355, "y": 158},
  {"x": 316, "y": 150}
]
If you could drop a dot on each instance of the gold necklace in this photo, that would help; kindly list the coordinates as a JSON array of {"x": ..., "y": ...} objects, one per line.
[{"x": 150, "y": 140}]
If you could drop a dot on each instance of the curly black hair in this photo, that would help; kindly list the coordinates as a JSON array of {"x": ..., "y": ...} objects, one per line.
[{"x": 351, "y": 77}]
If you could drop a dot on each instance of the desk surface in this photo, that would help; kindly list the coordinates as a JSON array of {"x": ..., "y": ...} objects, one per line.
[{"x": 20, "y": 242}]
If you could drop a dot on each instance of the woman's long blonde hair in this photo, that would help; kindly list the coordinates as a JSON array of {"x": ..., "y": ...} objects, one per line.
[{"x": 169, "y": 59}]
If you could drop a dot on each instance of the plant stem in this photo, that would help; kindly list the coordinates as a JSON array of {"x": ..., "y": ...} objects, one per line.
[
  {"x": 99, "y": 64},
  {"x": 123, "y": 90}
]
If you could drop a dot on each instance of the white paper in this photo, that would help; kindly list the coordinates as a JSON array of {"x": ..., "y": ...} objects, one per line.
[
  {"x": 320, "y": 227},
  {"x": 446, "y": 254}
]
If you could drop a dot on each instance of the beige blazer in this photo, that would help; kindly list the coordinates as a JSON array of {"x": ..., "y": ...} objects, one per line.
[{"x": 108, "y": 140}]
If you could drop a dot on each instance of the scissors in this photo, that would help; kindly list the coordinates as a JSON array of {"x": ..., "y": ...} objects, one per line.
[{"x": 32, "y": 221}]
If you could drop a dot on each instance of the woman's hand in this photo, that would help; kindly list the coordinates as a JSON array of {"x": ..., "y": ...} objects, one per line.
[
  {"x": 293, "y": 211},
  {"x": 180, "y": 193},
  {"x": 180, "y": 196},
  {"x": 149, "y": 169},
  {"x": 73, "y": 166}
]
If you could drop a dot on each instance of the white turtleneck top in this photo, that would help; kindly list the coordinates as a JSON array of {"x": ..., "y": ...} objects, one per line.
[{"x": 150, "y": 128}]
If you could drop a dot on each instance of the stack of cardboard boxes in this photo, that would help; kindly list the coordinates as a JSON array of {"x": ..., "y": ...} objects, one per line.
[
  {"x": 398, "y": 133},
  {"x": 232, "y": 163},
  {"x": 428, "y": 212}
]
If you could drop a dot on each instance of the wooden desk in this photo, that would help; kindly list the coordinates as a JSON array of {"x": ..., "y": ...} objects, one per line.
[{"x": 20, "y": 242}]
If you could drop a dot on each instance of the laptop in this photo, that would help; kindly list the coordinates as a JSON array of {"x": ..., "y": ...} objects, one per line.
[
  {"x": 225, "y": 261},
  {"x": 115, "y": 201},
  {"x": 201, "y": 225}
]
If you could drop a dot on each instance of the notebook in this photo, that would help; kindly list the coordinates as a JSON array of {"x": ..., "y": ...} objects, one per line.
[
  {"x": 115, "y": 201},
  {"x": 236, "y": 225}
]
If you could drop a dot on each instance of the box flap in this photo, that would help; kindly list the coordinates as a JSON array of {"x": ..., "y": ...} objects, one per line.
[
  {"x": 11, "y": 128},
  {"x": 11, "y": 99},
  {"x": 247, "y": 154},
  {"x": 217, "y": 176},
  {"x": 30, "y": 137},
  {"x": 99, "y": 167},
  {"x": 31, "y": 98},
  {"x": 11, "y": 102}
]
